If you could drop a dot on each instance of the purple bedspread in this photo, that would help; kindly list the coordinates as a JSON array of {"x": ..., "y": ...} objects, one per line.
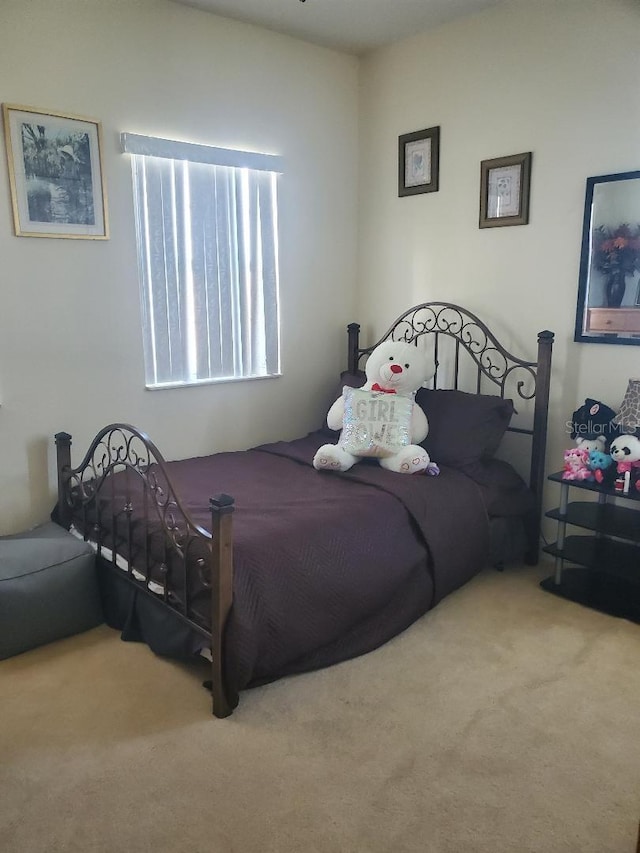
[{"x": 328, "y": 566}]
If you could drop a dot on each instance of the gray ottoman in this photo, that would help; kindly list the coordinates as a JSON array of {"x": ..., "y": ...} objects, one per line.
[{"x": 48, "y": 588}]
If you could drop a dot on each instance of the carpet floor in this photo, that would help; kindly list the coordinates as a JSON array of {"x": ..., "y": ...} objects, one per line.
[{"x": 504, "y": 721}]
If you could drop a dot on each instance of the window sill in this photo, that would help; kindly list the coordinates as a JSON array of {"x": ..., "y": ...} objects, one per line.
[{"x": 167, "y": 386}]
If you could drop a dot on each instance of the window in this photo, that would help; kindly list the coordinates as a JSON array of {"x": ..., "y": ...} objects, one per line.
[{"x": 207, "y": 225}]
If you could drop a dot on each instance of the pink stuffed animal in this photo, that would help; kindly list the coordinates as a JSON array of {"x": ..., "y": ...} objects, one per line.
[{"x": 576, "y": 464}]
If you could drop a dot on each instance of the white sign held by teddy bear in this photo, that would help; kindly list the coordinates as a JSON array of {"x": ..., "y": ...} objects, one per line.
[{"x": 381, "y": 419}]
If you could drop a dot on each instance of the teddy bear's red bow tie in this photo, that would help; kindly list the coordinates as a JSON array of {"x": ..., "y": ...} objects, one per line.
[{"x": 376, "y": 387}]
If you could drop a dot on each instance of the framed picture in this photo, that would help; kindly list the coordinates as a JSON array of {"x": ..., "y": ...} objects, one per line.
[
  {"x": 504, "y": 190},
  {"x": 608, "y": 306},
  {"x": 55, "y": 174},
  {"x": 418, "y": 161}
]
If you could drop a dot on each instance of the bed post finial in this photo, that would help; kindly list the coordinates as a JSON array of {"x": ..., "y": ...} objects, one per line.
[
  {"x": 354, "y": 342},
  {"x": 222, "y": 507},
  {"x": 63, "y": 464}
]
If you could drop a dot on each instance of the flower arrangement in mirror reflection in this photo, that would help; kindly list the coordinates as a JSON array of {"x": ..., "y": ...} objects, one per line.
[
  {"x": 617, "y": 249},
  {"x": 616, "y": 254}
]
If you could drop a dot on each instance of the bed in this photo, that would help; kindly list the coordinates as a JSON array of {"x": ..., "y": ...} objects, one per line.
[{"x": 269, "y": 567}]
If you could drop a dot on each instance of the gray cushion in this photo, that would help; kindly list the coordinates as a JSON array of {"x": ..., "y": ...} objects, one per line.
[{"x": 48, "y": 588}]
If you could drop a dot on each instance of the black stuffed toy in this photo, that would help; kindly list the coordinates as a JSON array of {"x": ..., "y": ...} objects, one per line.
[{"x": 592, "y": 426}]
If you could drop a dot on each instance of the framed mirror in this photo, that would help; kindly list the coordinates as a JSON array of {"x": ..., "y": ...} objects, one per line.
[{"x": 608, "y": 310}]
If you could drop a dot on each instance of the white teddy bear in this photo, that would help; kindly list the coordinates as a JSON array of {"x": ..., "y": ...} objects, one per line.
[
  {"x": 599, "y": 443},
  {"x": 381, "y": 419}
]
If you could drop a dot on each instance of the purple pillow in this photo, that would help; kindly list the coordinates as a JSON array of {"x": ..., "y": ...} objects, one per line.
[
  {"x": 463, "y": 428},
  {"x": 505, "y": 492}
]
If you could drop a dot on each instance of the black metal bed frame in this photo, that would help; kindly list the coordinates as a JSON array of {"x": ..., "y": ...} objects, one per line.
[
  {"x": 188, "y": 547},
  {"x": 526, "y": 380}
]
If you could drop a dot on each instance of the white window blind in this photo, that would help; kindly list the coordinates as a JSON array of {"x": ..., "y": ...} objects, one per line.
[{"x": 207, "y": 226}]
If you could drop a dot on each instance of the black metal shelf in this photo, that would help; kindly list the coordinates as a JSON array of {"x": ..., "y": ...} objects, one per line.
[
  {"x": 607, "y": 577},
  {"x": 598, "y": 590},
  {"x": 608, "y": 556},
  {"x": 592, "y": 486},
  {"x": 605, "y": 518}
]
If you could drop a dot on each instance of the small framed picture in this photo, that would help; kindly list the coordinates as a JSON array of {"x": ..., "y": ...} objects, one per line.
[
  {"x": 418, "y": 161},
  {"x": 55, "y": 174},
  {"x": 504, "y": 190}
]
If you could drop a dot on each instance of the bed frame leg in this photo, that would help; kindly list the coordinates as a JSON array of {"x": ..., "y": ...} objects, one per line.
[{"x": 221, "y": 507}]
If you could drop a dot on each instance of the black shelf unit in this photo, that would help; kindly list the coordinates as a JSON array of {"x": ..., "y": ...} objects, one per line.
[{"x": 607, "y": 572}]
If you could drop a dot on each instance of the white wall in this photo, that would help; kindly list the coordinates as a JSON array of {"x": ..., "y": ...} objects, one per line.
[
  {"x": 556, "y": 77},
  {"x": 560, "y": 78},
  {"x": 70, "y": 341}
]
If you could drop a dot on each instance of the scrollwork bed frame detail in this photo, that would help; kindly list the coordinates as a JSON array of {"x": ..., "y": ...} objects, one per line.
[
  {"x": 493, "y": 362},
  {"x": 123, "y": 448}
]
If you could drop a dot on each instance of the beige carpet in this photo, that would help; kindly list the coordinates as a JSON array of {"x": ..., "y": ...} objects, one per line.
[{"x": 505, "y": 721}]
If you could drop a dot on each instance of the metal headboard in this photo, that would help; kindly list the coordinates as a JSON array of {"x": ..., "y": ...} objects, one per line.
[{"x": 520, "y": 378}]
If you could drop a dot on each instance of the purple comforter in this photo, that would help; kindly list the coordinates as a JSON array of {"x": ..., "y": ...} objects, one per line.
[{"x": 328, "y": 566}]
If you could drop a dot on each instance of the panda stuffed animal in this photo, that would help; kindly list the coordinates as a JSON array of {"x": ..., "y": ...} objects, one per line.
[{"x": 625, "y": 452}]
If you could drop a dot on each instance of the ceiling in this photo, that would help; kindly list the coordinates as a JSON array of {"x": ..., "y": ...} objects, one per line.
[{"x": 353, "y": 26}]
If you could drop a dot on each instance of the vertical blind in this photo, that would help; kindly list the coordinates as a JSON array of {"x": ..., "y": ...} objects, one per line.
[{"x": 206, "y": 221}]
